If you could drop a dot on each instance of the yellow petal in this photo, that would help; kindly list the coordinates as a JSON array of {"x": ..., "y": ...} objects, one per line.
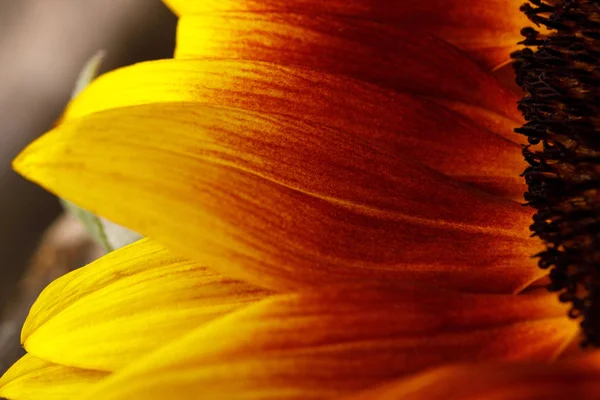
[
  {"x": 393, "y": 122},
  {"x": 32, "y": 378},
  {"x": 387, "y": 55},
  {"x": 488, "y": 31},
  {"x": 335, "y": 341},
  {"x": 280, "y": 202},
  {"x": 125, "y": 305}
]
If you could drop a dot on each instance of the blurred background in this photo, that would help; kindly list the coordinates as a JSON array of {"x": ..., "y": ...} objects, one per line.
[{"x": 43, "y": 47}]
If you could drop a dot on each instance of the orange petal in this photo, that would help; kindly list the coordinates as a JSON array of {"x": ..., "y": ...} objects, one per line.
[
  {"x": 577, "y": 379},
  {"x": 488, "y": 31},
  {"x": 280, "y": 202},
  {"x": 125, "y": 305},
  {"x": 399, "y": 123},
  {"x": 338, "y": 340},
  {"x": 384, "y": 54},
  {"x": 32, "y": 378}
]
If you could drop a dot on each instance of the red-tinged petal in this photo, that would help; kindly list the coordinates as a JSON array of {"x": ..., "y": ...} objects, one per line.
[
  {"x": 125, "y": 305},
  {"x": 488, "y": 31},
  {"x": 335, "y": 341},
  {"x": 576, "y": 379},
  {"x": 399, "y": 123},
  {"x": 506, "y": 75},
  {"x": 384, "y": 54},
  {"x": 280, "y": 202},
  {"x": 32, "y": 378}
]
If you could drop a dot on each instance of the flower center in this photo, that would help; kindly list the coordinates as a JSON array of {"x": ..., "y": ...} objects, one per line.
[{"x": 560, "y": 74}]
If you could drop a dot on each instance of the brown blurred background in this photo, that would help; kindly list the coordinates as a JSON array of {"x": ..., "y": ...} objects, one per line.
[{"x": 43, "y": 46}]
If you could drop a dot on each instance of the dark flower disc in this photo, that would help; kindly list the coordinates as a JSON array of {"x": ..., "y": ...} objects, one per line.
[{"x": 559, "y": 70}]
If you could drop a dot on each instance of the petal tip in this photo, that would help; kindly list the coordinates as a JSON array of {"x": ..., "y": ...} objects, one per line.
[
  {"x": 19, "y": 163},
  {"x": 25, "y": 162}
]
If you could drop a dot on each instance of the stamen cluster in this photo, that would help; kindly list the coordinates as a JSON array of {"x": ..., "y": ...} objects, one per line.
[{"x": 559, "y": 70}]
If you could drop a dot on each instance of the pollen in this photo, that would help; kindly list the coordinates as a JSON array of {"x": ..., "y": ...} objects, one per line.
[{"x": 559, "y": 71}]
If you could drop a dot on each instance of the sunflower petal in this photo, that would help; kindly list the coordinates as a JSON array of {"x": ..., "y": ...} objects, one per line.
[
  {"x": 387, "y": 55},
  {"x": 32, "y": 378},
  {"x": 332, "y": 342},
  {"x": 394, "y": 122},
  {"x": 575, "y": 379},
  {"x": 280, "y": 202},
  {"x": 489, "y": 33},
  {"x": 138, "y": 298}
]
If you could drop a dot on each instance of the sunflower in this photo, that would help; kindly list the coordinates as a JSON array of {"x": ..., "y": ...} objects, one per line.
[{"x": 331, "y": 196}]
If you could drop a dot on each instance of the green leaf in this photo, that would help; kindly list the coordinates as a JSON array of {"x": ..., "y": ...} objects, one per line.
[{"x": 92, "y": 224}]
